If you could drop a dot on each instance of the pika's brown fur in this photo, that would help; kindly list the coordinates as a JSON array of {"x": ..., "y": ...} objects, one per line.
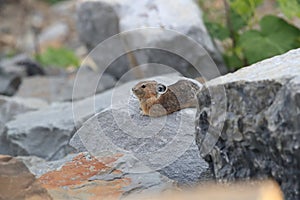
[{"x": 155, "y": 101}]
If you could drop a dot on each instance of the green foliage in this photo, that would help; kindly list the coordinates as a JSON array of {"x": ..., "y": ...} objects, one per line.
[
  {"x": 58, "y": 57},
  {"x": 248, "y": 44},
  {"x": 52, "y": 1},
  {"x": 290, "y": 8},
  {"x": 245, "y": 8},
  {"x": 275, "y": 37},
  {"x": 217, "y": 30},
  {"x": 237, "y": 21}
]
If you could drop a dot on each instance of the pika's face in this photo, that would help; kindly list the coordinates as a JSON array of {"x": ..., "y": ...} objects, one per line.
[{"x": 145, "y": 89}]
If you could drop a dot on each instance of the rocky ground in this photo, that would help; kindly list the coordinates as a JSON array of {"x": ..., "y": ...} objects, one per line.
[{"x": 79, "y": 134}]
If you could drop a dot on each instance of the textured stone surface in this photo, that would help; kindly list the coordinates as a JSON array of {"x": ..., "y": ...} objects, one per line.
[
  {"x": 54, "y": 35},
  {"x": 261, "y": 133},
  {"x": 12, "y": 106},
  {"x": 60, "y": 88},
  {"x": 9, "y": 108},
  {"x": 83, "y": 176},
  {"x": 164, "y": 144},
  {"x": 16, "y": 182},
  {"x": 9, "y": 83},
  {"x": 4, "y": 149},
  {"x": 21, "y": 65},
  {"x": 98, "y": 20},
  {"x": 46, "y": 132}
]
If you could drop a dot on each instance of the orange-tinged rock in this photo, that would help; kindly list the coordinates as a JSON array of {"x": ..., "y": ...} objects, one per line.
[
  {"x": 72, "y": 180},
  {"x": 76, "y": 172}
]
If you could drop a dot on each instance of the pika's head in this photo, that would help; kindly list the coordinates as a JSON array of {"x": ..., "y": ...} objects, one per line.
[{"x": 147, "y": 89}]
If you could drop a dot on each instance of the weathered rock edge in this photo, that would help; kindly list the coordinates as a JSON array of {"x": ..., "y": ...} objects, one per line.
[{"x": 261, "y": 133}]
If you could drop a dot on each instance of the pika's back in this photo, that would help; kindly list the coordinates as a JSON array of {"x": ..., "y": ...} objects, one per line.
[
  {"x": 157, "y": 99},
  {"x": 179, "y": 95}
]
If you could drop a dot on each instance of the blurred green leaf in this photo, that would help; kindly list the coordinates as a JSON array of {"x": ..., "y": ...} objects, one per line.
[
  {"x": 217, "y": 30},
  {"x": 276, "y": 37},
  {"x": 245, "y": 8},
  {"x": 238, "y": 22},
  {"x": 290, "y": 8},
  {"x": 58, "y": 57},
  {"x": 232, "y": 61},
  {"x": 281, "y": 32},
  {"x": 52, "y": 1}
]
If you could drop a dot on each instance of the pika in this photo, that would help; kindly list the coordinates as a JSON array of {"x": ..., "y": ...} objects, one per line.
[{"x": 157, "y": 99}]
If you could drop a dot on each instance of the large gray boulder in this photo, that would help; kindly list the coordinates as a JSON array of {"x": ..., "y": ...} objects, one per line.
[
  {"x": 11, "y": 107},
  {"x": 159, "y": 32},
  {"x": 164, "y": 144},
  {"x": 259, "y": 108},
  {"x": 46, "y": 132},
  {"x": 9, "y": 83}
]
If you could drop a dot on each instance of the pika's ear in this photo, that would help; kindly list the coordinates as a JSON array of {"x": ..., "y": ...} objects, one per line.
[{"x": 161, "y": 89}]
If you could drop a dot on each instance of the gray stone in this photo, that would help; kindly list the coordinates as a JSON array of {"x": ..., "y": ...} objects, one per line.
[
  {"x": 46, "y": 132},
  {"x": 9, "y": 84},
  {"x": 9, "y": 65},
  {"x": 12, "y": 106},
  {"x": 90, "y": 174},
  {"x": 58, "y": 31},
  {"x": 261, "y": 134},
  {"x": 169, "y": 26},
  {"x": 4, "y": 149},
  {"x": 60, "y": 88},
  {"x": 21, "y": 65},
  {"x": 164, "y": 144},
  {"x": 9, "y": 108},
  {"x": 38, "y": 166},
  {"x": 94, "y": 27},
  {"x": 143, "y": 179}
]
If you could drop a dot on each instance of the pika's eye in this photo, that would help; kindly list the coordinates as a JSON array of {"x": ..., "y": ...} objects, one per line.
[
  {"x": 143, "y": 86},
  {"x": 161, "y": 88}
]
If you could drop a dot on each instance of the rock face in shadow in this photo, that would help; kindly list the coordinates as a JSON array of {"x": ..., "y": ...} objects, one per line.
[
  {"x": 16, "y": 182},
  {"x": 9, "y": 84},
  {"x": 259, "y": 107},
  {"x": 46, "y": 132},
  {"x": 164, "y": 144},
  {"x": 169, "y": 27},
  {"x": 10, "y": 107}
]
